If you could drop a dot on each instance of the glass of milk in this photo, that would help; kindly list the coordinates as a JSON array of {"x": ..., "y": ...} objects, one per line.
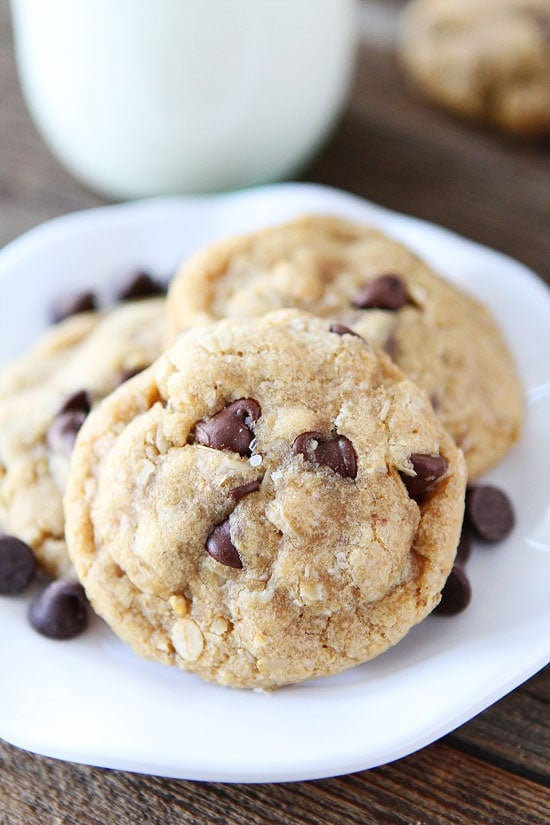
[{"x": 151, "y": 97}]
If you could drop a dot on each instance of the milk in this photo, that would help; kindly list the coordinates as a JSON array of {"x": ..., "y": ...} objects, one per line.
[{"x": 147, "y": 97}]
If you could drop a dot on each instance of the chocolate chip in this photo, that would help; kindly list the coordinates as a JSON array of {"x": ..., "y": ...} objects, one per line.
[
  {"x": 127, "y": 374},
  {"x": 60, "y": 611},
  {"x": 336, "y": 453},
  {"x": 435, "y": 402},
  {"x": 392, "y": 347},
  {"x": 138, "y": 284},
  {"x": 541, "y": 20},
  {"x": 428, "y": 468},
  {"x": 489, "y": 512},
  {"x": 231, "y": 428},
  {"x": 221, "y": 548},
  {"x": 17, "y": 565},
  {"x": 456, "y": 594},
  {"x": 240, "y": 492},
  {"x": 72, "y": 304},
  {"x": 385, "y": 292},
  {"x": 63, "y": 431},
  {"x": 77, "y": 402},
  {"x": 464, "y": 549},
  {"x": 340, "y": 329},
  {"x": 68, "y": 421}
]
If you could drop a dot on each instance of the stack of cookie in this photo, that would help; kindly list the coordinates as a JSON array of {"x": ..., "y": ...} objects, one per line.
[{"x": 280, "y": 495}]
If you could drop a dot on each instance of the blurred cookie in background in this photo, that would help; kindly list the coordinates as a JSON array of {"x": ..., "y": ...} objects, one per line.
[{"x": 487, "y": 60}]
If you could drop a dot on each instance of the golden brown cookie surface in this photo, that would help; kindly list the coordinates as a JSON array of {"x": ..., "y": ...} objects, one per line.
[
  {"x": 271, "y": 501},
  {"x": 44, "y": 397},
  {"x": 443, "y": 339}
]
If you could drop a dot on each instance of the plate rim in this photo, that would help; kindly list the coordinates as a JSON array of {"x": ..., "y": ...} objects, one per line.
[{"x": 52, "y": 232}]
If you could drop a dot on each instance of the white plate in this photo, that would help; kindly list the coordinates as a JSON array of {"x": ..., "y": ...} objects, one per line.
[{"x": 91, "y": 700}]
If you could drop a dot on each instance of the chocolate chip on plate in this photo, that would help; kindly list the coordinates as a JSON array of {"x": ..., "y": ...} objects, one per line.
[
  {"x": 221, "y": 548},
  {"x": 456, "y": 594},
  {"x": 464, "y": 549},
  {"x": 71, "y": 304},
  {"x": 340, "y": 329},
  {"x": 337, "y": 453},
  {"x": 77, "y": 402},
  {"x": 231, "y": 428},
  {"x": 428, "y": 468},
  {"x": 489, "y": 512},
  {"x": 250, "y": 487},
  {"x": 385, "y": 292},
  {"x": 17, "y": 565},
  {"x": 60, "y": 611},
  {"x": 138, "y": 284},
  {"x": 63, "y": 431}
]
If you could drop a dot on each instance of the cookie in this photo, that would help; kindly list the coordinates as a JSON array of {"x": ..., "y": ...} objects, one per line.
[
  {"x": 271, "y": 501},
  {"x": 44, "y": 397},
  {"x": 440, "y": 337},
  {"x": 47, "y": 356},
  {"x": 486, "y": 60}
]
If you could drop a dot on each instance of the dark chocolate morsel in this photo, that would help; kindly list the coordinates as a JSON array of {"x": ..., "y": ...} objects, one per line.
[
  {"x": 127, "y": 374},
  {"x": 340, "y": 329},
  {"x": 456, "y": 594},
  {"x": 541, "y": 19},
  {"x": 489, "y": 512},
  {"x": 250, "y": 487},
  {"x": 63, "y": 431},
  {"x": 435, "y": 402},
  {"x": 231, "y": 428},
  {"x": 138, "y": 284},
  {"x": 72, "y": 304},
  {"x": 60, "y": 611},
  {"x": 464, "y": 549},
  {"x": 77, "y": 402},
  {"x": 428, "y": 468},
  {"x": 221, "y": 548},
  {"x": 337, "y": 453},
  {"x": 17, "y": 565},
  {"x": 385, "y": 292},
  {"x": 392, "y": 347}
]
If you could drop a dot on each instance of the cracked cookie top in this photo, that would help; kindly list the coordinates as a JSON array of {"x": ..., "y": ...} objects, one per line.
[
  {"x": 44, "y": 398},
  {"x": 443, "y": 339},
  {"x": 272, "y": 500}
]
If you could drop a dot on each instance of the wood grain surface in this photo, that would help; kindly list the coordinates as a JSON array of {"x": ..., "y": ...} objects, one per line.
[{"x": 401, "y": 153}]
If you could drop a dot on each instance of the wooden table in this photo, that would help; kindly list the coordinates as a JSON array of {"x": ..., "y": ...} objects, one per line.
[{"x": 397, "y": 151}]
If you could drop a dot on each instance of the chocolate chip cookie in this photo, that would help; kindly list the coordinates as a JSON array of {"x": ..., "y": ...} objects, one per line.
[
  {"x": 487, "y": 60},
  {"x": 44, "y": 398},
  {"x": 48, "y": 355},
  {"x": 440, "y": 337},
  {"x": 272, "y": 500}
]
